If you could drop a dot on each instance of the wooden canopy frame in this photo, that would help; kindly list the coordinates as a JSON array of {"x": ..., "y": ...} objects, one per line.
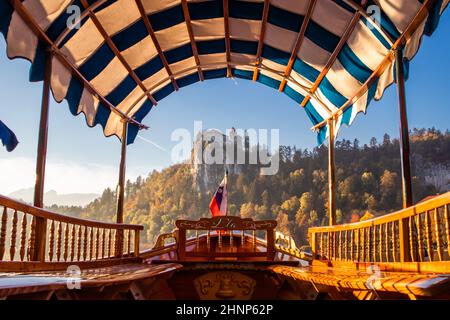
[{"x": 394, "y": 53}]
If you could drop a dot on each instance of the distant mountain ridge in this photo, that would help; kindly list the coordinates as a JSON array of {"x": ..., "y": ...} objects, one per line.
[{"x": 54, "y": 198}]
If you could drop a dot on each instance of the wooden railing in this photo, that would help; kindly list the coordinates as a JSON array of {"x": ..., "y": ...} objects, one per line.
[
  {"x": 285, "y": 244},
  {"x": 420, "y": 233},
  {"x": 63, "y": 238},
  {"x": 222, "y": 240}
]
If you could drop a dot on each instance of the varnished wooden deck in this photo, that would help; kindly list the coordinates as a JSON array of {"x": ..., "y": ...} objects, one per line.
[
  {"x": 339, "y": 282},
  {"x": 120, "y": 278}
]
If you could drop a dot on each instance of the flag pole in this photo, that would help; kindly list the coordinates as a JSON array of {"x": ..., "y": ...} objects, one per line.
[{"x": 226, "y": 186}]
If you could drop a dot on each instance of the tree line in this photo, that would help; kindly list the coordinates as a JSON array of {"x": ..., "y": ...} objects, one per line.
[{"x": 368, "y": 184}]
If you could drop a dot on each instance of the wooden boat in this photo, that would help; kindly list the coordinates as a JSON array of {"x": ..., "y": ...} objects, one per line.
[
  {"x": 119, "y": 58},
  {"x": 228, "y": 258}
]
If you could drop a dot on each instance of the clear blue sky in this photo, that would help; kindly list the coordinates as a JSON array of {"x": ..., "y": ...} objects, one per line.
[{"x": 81, "y": 159}]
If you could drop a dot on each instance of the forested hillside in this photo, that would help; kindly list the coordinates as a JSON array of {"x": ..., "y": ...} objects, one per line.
[{"x": 368, "y": 179}]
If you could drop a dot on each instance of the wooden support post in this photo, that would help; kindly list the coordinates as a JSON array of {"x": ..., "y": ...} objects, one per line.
[
  {"x": 137, "y": 240},
  {"x": 331, "y": 176},
  {"x": 122, "y": 170},
  {"x": 404, "y": 155},
  {"x": 121, "y": 189},
  {"x": 313, "y": 244},
  {"x": 41, "y": 223},
  {"x": 404, "y": 131}
]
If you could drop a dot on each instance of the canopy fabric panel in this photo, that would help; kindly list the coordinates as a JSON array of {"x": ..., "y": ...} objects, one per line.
[{"x": 123, "y": 56}]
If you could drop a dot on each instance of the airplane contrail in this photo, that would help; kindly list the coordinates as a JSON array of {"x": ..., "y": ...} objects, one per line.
[{"x": 153, "y": 144}]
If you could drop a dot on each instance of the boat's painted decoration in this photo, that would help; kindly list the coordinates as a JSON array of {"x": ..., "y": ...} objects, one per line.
[{"x": 166, "y": 47}]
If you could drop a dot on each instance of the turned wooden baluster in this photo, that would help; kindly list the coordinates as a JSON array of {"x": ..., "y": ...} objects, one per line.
[
  {"x": 380, "y": 242},
  {"x": 66, "y": 242},
  {"x": 208, "y": 239},
  {"x": 437, "y": 228},
  {"x": 368, "y": 234},
  {"x": 386, "y": 241},
  {"x": 368, "y": 244},
  {"x": 73, "y": 241},
  {"x": 23, "y": 237},
  {"x": 362, "y": 244},
  {"x": 51, "y": 241},
  {"x": 85, "y": 243},
  {"x": 447, "y": 228},
  {"x": 345, "y": 245},
  {"x": 320, "y": 243},
  {"x": 113, "y": 241},
  {"x": 3, "y": 233},
  {"x": 420, "y": 238},
  {"x": 59, "y": 241},
  {"x": 352, "y": 249},
  {"x": 220, "y": 238},
  {"x": 129, "y": 242},
  {"x": 97, "y": 242},
  {"x": 12, "y": 248},
  {"x": 394, "y": 242},
  {"x": 91, "y": 244},
  {"x": 334, "y": 245},
  {"x": 357, "y": 243},
  {"x": 103, "y": 243},
  {"x": 79, "y": 239},
  {"x": 32, "y": 239},
  {"x": 109, "y": 243},
  {"x": 328, "y": 246},
  {"x": 242, "y": 238},
  {"x": 412, "y": 239},
  {"x": 428, "y": 235},
  {"x": 374, "y": 243},
  {"x": 340, "y": 246}
]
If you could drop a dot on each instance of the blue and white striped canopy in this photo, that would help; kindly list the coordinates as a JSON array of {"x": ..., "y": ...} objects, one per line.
[{"x": 118, "y": 58}]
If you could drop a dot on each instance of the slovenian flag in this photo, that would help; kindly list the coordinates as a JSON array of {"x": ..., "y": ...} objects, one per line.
[{"x": 219, "y": 202}]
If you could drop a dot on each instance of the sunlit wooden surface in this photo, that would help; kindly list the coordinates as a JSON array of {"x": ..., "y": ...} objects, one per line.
[
  {"x": 66, "y": 239},
  {"x": 420, "y": 233}
]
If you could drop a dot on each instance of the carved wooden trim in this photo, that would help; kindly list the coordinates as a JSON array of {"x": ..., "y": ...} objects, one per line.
[{"x": 226, "y": 223}]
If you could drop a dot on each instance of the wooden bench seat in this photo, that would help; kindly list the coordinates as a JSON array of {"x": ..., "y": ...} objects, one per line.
[
  {"x": 411, "y": 284},
  {"x": 42, "y": 285}
]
